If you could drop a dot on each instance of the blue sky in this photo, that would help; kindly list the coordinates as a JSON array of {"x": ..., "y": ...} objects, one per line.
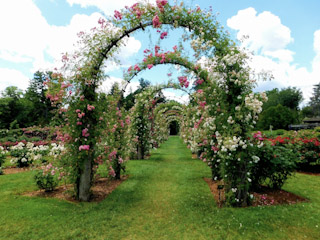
[{"x": 285, "y": 36}]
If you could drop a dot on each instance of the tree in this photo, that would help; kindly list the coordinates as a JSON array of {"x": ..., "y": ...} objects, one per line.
[
  {"x": 279, "y": 117},
  {"x": 14, "y": 108},
  {"x": 315, "y": 100},
  {"x": 128, "y": 101},
  {"x": 286, "y": 101},
  {"x": 289, "y": 97},
  {"x": 307, "y": 111},
  {"x": 36, "y": 93}
]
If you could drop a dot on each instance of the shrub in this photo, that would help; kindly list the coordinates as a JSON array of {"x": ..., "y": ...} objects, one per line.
[
  {"x": 309, "y": 149},
  {"x": 278, "y": 116},
  {"x": 2, "y": 158},
  {"x": 21, "y": 155},
  {"x": 46, "y": 178},
  {"x": 273, "y": 164}
]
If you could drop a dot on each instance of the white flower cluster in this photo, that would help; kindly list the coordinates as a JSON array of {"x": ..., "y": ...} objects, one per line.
[
  {"x": 2, "y": 150},
  {"x": 233, "y": 58},
  {"x": 29, "y": 152},
  {"x": 255, "y": 159},
  {"x": 253, "y": 103},
  {"x": 56, "y": 149},
  {"x": 209, "y": 123},
  {"x": 231, "y": 144}
]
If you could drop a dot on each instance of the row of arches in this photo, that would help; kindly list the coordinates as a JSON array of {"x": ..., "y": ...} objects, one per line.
[{"x": 222, "y": 107}]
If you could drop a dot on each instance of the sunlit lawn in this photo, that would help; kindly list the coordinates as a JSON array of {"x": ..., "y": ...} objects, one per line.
[{"x": 165, "y": 197}]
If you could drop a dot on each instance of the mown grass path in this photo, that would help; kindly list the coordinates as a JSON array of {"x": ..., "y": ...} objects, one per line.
[{"x": 164, "y": 198}]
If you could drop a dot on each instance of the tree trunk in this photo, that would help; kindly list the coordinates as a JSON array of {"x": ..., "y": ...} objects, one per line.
[
  {"x": 140, "y": 152},
  {"x": 85, "y": 181}
]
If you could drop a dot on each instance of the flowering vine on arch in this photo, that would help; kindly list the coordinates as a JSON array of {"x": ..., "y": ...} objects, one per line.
[
  {"x": 220, "y": 115},
  {"x": 145, "y": 126}
]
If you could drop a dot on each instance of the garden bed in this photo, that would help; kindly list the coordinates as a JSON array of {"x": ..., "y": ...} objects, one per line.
[
  {"x": 13, "y": 170},
  {"x": 265, "y": 197},
  {"x": 100, "y": 190},
  {"x": 310, "y": 173}
]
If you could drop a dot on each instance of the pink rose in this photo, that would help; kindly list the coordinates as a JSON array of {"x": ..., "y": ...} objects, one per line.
[
  {"x": 117, "y": 15},
  {"x": 156, "y": 22}
]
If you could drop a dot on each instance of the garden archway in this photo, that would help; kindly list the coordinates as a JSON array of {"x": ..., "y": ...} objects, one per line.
[{"x": 226, "y": 77}]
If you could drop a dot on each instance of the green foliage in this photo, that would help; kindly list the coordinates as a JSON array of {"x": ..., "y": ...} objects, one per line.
[
  {"x": 287, "y": 97},
  {"x": 26, "y": 109},
  {"x": 281, "y": 109},
  {"x": 275, "y": 164},
  {"x": 279, "y": 117},
  {"x": 36, "y": 93},
  {"x": 129, "y": 100},
  {"x": 315, "y": 101},
  {"x": 307, "y": 112},
  {"x": 2, "y": 158},
  {"x": 309, "y": 154},
  {"x": 46, "y": 179},
  {"x": 159, "y": 199},
  {"x": 14, "y": 110},
  {"x": 20, "y": 155},
  {"x": 274, "y": 133},
  {"x": 14, "y": 124}
]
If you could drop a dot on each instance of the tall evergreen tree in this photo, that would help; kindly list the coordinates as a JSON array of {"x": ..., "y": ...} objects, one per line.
[
  {"x": 315, "y": 100},
  {"x": 36, "y": 93}
]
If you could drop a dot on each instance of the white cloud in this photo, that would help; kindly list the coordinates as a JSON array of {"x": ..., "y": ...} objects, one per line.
[
  {"x": 109, "y": 82},
  {"x": 284, "y": 55},
  {"x": 12, "y": 77},
  {"x": 184, "y": 99},
  {"x": 24, "y": 31},
  {"x": 107, "y": 6},
  {"x": 269, "y": 38},
  {"x": 316, "y": 47},
  {"x": 28, "y": 38},
  {"x": 265, "y": 30}
]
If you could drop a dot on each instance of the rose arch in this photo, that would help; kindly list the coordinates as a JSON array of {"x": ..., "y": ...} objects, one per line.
[{"x": 216, "y": 122}]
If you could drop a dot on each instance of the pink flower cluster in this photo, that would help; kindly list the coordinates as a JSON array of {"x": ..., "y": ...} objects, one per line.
[
  {"x": 215, "y": 149},
  {"x": 136, "y": 67},
  {"x": 49, "y": 169},
  {"x": 156, "y": 22},
  {"x": 117, "y": 15},
  {"x": 258, "y": 135},
  {"x": 128, "y": 121},
  {"x": 135, "y": 9},
  {"x": 161, "y": 4},
  {"x": 84, "y": 147},
  {"x": 199, "y": 81},
  {"x": 90, "y": 107},
  {"x": 197, "y": 124},
  {"x": 112, "y": 172},
  {"x": 163, "y": 35},
  {"x": 85, "y": 132},
  {"x": 183, "y": 80},
  {"x": 112, "y": 154},
  {"x": 202, "y": 104}
]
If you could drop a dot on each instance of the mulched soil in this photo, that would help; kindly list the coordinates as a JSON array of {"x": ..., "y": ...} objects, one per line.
[
  {"x": 100, "y": 190},
  {"x": 12, "y": 170},
  {"x": 310, "y": 173},
  {"x": 265, "y": 197}
]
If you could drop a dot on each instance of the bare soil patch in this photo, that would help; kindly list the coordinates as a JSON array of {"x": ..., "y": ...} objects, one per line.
[
  {"x": 13, "y": 170},
  {"x": 100, "y": 190},
  {"x": 265, "y": 196},
  {"x": 310, "y": 173}
]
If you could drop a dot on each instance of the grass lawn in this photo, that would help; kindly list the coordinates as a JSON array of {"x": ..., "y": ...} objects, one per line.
[{"x": 165, "y": 197}]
